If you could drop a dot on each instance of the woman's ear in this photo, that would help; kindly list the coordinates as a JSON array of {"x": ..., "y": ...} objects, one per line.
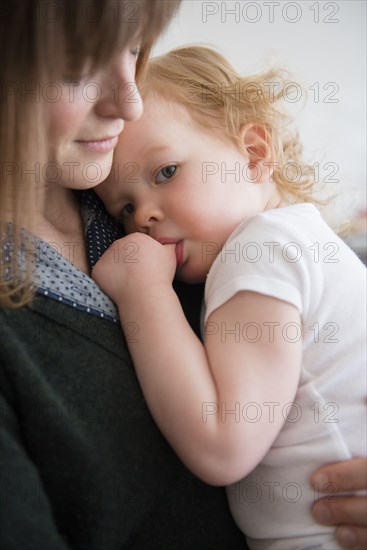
[{"x": 260, "y": 151}]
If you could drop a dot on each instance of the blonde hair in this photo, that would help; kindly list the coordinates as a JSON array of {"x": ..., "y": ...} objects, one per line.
[
  {"x": 42, "y": 41},
  {"x": 223, "y": 101}
]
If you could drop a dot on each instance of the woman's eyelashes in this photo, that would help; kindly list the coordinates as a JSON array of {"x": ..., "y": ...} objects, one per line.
[
  {"x": 135, "y": 44},
  {"x": 135, "y": 51},
  {"x": 165, "y": 173}
]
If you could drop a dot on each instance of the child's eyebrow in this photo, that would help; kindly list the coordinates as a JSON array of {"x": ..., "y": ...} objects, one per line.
[{"x": 155, "y": 149}]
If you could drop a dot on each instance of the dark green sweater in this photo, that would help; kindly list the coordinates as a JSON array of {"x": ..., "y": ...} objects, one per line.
[{"x": 82, "y": 464}]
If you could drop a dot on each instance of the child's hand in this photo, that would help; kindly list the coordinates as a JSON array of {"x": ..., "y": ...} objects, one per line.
[{"x": 132, "y": 264}]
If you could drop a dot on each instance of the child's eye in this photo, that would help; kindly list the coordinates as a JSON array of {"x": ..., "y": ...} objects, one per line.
[
  {"x": 166, "y": 173},
  {"x": 127, "y": 210}
]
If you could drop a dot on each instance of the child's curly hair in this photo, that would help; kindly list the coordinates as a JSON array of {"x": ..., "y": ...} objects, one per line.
[{"x": 218, "y": 98}]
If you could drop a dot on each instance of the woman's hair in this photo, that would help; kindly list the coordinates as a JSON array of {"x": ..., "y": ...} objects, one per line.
[
  {"x": 223, "y": 101},
  {"x": 41, "y": 41}
]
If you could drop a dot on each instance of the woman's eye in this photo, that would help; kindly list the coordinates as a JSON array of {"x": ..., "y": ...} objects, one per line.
[
  {"x": 75, "y": 80},
  {"x": 135, "y": 51},
  {"x": 166, "y": 173},
  {"x": 127, "y": 210}
]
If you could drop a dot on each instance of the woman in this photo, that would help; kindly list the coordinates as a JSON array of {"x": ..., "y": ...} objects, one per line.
[{"x": 82, "y": 464}]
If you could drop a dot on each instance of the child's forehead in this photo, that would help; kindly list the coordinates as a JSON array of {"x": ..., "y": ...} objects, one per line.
[
  {"x": 157, "y": 104},
  {"x": 164, "y": 107},
  {"x": 164, "y": 123},
  {"x": 161, "y": 119}
]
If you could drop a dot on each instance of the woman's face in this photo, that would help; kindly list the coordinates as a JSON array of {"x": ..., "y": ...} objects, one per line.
[{"x": 86, "y": 118}]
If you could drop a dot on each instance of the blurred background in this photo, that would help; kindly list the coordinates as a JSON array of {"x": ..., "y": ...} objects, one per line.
[{"x": 323, "y": 44}]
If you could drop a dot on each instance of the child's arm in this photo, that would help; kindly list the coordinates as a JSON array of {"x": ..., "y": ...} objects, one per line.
[{"x": 220, "y": 406}]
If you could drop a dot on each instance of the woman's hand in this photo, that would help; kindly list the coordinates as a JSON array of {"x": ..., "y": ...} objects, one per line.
[
  {"x": 348, "y": 513},
  {"x": 132, "y": 263}
]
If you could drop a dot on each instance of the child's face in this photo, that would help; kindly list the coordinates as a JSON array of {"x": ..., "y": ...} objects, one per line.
[{"x": 179, "y": 183}]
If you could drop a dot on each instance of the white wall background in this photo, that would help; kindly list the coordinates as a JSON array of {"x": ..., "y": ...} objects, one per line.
[{"x": 323, "y": 43}]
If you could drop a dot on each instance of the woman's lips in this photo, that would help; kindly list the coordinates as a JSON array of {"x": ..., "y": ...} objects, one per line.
[{"x": 104, "y": 145}]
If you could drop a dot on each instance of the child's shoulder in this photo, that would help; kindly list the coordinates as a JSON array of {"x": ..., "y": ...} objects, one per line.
[
  {"x": 296, "y": 227},
  {"x": 299, "y": 211},
  {"x": 290, "y": 220}
]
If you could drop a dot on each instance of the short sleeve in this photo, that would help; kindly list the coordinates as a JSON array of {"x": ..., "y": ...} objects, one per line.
[{"x": 270, "y": 255}]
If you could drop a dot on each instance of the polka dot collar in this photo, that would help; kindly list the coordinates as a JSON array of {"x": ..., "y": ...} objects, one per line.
[
  {"x": 57, "y": 278},
  {"x": 101, "y": 230}
]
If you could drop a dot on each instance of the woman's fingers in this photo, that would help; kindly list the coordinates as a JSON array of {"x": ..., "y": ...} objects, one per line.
[
  {"x": 349, "y": 510},
  {"x": 349, "y": 475},
  {"x": 354, "y": 538}
]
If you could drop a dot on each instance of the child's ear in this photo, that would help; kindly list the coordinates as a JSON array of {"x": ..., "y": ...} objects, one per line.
[{"x": 260, "y": 151}]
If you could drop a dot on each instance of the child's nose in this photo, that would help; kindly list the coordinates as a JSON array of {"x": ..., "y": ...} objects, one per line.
[{"x": 147, "y": 216}]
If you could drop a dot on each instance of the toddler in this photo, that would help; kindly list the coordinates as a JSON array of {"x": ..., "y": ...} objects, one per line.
[{"x": 211, "y": 186}]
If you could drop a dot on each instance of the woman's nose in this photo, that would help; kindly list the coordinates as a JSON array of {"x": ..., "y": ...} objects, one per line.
[{"x": 121, "y": 97}]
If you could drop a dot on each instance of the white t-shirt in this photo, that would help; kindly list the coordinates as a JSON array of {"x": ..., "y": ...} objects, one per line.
[{"x": 291, "y": 254}]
